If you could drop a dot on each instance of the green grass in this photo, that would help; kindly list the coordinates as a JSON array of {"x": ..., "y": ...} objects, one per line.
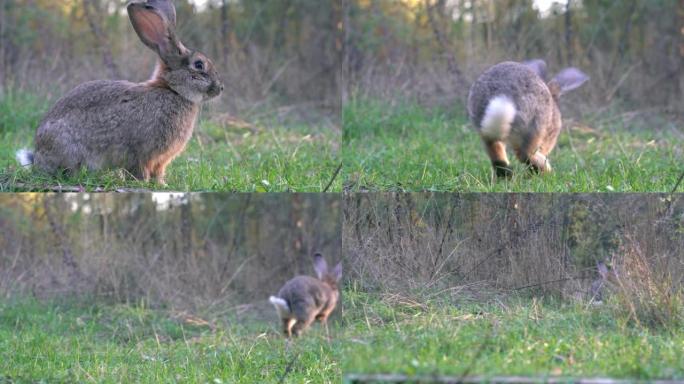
[
  {"x": 517, "y": 337},
  {"x": 58, "y": 341},
  {"x": 408, "y": 148},
  {"x": 71, "y": 342},
  {"x": 263, "y": 157}
]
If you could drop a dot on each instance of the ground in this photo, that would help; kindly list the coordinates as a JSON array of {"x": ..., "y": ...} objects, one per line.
[
  {"x": 67, "y": 341},
  {"x": 223, "y": 155},
  {"x": 406, "y": 147}
]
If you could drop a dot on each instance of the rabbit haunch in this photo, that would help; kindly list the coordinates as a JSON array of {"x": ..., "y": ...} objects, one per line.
[
  {"x": 118, "y": 124},
  {"x": 512, "y": 103},
  {"x": 498, "y": 117},
  {"x": 304, "y": 299},
  {"x": 129, "y": 125}
]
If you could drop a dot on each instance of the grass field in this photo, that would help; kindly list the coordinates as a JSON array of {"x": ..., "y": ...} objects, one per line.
[
  {"x": 222, "y": 156},
  {"x": 62, "y": 342},
  {"x": 57, "y": 341},
  {"x": 405, "y": 147}
]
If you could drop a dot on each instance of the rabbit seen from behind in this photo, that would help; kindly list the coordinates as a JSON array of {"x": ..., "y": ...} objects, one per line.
[
  {"x": 118, "y": 124},
  {"x": 598, "y": 287},
  {"x": 513, "y": 103},
  {"x": 305, "y": 299}
]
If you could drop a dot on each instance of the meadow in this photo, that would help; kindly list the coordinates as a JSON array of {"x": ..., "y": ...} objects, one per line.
[
  {"x": 402, "y": 146},
  {"x": 226, "y": 154},
  {"x": 58, "y": 340}
]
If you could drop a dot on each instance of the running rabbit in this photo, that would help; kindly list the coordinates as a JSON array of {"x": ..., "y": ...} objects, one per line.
[
  {"x": 514, "y": 103},
  {"x": 305, "y": 299},
  {"x": 118, "y": 124},
  {"x": 599, "y": 285}
]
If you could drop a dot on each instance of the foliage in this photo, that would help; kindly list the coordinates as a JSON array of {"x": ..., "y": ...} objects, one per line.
[{"x": 511, "y": 242}]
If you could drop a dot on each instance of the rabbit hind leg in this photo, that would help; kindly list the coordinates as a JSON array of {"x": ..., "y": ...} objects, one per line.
[
  {"x": 303, "y": 322},
  {"x": 287, "y": 326},
  {"x": 496, "y": 149}
]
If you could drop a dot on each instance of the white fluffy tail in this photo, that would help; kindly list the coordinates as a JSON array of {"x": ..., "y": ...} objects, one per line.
[
  {"x": 280, "y": 306},
  {"x": 498, "y": 117},
  {"x": 24, "y": 157}
]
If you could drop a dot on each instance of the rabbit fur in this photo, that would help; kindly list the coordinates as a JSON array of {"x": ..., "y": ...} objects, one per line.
[
  {"x": 304, "y": 299},
  {"x": 140, "y": 127},
  {"x": 513, "y": 103}
]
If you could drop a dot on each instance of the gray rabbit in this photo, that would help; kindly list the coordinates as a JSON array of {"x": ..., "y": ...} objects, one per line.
[
  {"x": 118, "y": 124},
  {"x": 305, "y": 299},
  {"x": 514, "y": 103},
  {"x": 606, "y": 279}
]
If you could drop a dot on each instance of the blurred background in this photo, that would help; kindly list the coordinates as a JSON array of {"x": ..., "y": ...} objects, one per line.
[
  {"x": 432, "y": 50},
  {"x": 473, "y": 245},
  {"x": 280, "y": 58},
  {"x": 212, "y": 252}
]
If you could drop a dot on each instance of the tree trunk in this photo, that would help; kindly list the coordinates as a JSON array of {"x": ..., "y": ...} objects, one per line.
[
  {"x": 93, "y": 16},
  {"x": 299, "y": 249},
  {"x": 225, "y": 31},
  {"x": 186, "y": 226},
  {"x": 443, "y": 41},
  {"x": 346, "y": 51},
  {"x": 3, "y": 40},
  {"x": 568, "y": 32},
  {"x": 68, "y": 259}
]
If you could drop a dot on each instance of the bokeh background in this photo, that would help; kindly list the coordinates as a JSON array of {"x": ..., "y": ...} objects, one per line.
[
  {"x": 475, "y": 245},
  {"x": 277, "y": 57},
  {"x": 432, "y": 50},
  {"x": 209, "y": 252}
]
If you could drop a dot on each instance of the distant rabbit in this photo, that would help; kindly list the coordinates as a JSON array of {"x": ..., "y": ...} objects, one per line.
[
  {"x": 305, "y": 299},
  {"x": 514, "y": 103},
  {"x": 118, "y": 124},
  {"x": 598, "y": 286}
]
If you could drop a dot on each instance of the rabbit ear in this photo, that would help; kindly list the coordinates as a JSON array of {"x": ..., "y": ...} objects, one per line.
[
  {"x": 602, "y": 269},
  {"x": 320, "y": 265},
  {"x": 538, "y": 66},
  {"x": 154, "y": 22},
  {"x": 166, "y": 8},
  {"x": 337, "y": 272},
  {"x": 569, "y": 79}
]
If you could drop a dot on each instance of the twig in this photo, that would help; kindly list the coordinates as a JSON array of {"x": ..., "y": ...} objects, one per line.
[
  {"x": 477, "y": 356},
  {"x": 288, "y": 368},
  {"x": 678, "y": 182},
  {"x": 544, "y": 283},
  {"x": 337, "y": 172}
]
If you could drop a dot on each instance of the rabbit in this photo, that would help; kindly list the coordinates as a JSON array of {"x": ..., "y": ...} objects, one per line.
[
  {"x": 305, "y": 299},
  {"x": 515, "y": 103},
  {"x": 598, "y": 286},
  {"x": 141, "y": 127}
]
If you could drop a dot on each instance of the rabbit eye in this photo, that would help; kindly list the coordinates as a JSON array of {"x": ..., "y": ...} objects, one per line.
[{"x": 199, "y": 65}]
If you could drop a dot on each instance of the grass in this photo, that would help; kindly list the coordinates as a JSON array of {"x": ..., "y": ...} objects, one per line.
[
  {"x": 516, "y": 337},
  {"x": 221, "y": 156},
  {"x": 406, "y": 147},
  {"x": 77, "y": 342},
  {"x": 58, "y": 341}
]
